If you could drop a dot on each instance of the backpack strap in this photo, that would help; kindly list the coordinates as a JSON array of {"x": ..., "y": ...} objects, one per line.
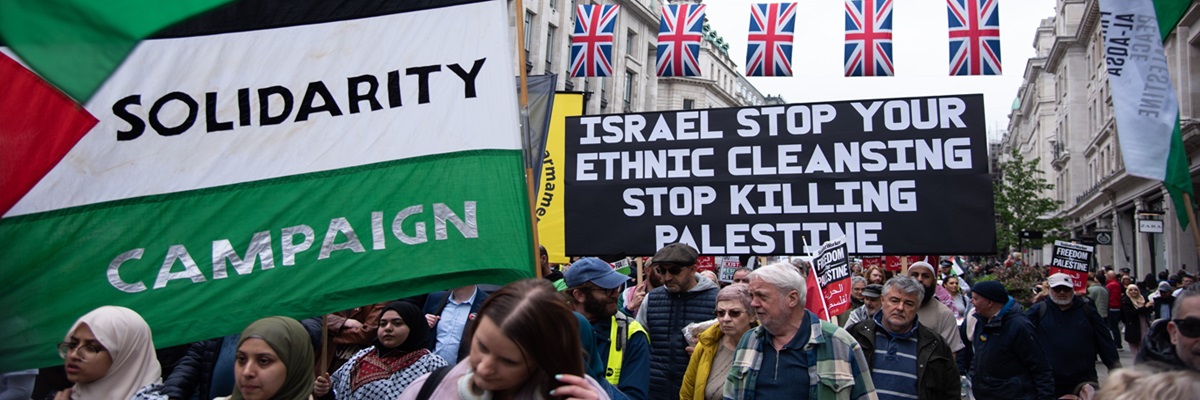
[{"x": 434, "y": 380}]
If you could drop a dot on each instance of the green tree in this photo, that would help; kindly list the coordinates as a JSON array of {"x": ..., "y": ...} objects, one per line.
[{"x": 1021, "y": 207}]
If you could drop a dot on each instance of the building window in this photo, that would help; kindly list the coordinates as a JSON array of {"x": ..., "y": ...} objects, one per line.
[
  {"x": 689, "y": 104},
  {"x": 603, "y": 93},
  {"x": 554, "y": 5},
  {"x": 630, "y": 42},
  {"x": 628, "y": 97},
  {"x": 550, "y": 31},
  {"x": 528, "y": 38}
]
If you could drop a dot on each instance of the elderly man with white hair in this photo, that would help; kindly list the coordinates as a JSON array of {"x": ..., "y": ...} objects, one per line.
[{"x": 792, "y": 343}]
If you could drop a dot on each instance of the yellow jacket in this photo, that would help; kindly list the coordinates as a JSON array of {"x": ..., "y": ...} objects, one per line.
[{"x": 700, "y": 366}]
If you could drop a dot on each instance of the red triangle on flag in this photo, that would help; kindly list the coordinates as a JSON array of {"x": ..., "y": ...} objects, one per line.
[{"x": 38, "y": 126}]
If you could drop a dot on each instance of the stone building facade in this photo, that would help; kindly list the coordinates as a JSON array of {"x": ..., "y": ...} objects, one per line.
[{"x": 1064, "y": 117}]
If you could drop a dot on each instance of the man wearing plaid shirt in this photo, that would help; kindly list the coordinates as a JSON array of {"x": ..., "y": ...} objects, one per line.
[{"x": 793, "y": 346}]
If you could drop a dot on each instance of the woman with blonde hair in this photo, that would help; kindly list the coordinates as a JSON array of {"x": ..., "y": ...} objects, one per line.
[
  {"x": 109, "y": 354},
  {"x": 713, "y": 356},
  {"x": 1135, "y": 312}
]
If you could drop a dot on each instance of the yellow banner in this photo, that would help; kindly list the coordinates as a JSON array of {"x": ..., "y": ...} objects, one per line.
[{"x": 550, "y": 195}]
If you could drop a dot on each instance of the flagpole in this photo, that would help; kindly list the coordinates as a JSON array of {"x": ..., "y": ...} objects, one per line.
[
  {"x": 526, "y": 145},
  {"x": 1187, "y": 200}
]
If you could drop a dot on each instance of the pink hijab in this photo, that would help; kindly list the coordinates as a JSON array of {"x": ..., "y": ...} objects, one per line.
[{"x": 127, "y": 337}]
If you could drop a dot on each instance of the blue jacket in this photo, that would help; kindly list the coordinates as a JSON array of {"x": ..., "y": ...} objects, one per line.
[
  {"x": 1007, "y": 363},
  {"x": 1072, "y": 339},
  {"x": 435, "y": 303},
  {"x": 665, "y": 316}
]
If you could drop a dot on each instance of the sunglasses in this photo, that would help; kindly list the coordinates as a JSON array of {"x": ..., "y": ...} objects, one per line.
[
  {"x": 1063, "y": 289},
  {"x": 673, "y": 270},
  {"x": 732, "y": 313},
  {"x": 1189, "y": 327}
]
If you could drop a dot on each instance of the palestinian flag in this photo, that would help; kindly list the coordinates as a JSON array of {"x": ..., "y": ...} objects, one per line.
[
  {"x": 269, "y": 157},
  {"x": 1144, "y": 103}
]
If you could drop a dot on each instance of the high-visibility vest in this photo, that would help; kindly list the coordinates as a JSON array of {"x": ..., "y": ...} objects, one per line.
[{"x": 622, "y": 329}]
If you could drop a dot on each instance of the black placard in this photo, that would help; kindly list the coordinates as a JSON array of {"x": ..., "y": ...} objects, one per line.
[{"x": 910, "y": 178}]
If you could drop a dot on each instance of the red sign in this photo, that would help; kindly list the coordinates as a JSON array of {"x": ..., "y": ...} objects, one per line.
[{"x": 706, "y": 263}]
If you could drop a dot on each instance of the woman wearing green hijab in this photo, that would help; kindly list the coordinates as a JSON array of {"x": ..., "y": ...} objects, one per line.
[{"x": 274, "y": 361}]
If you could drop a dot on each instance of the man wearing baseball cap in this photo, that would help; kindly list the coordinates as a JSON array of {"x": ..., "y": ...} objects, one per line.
[
  {"x": 1006, "y": 362},
  {"x": 593, "y": 287},
  {"x": 684, "y": 298},
  {"x": 1072, "y": 334}
]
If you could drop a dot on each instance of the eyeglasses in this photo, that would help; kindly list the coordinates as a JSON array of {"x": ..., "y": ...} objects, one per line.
[
  {"x": 1063, "y": 289},
  {"x": 732, "y": 313},
  {"x": 85, "y": 351},
  {"x": 1189, "y": 327}
]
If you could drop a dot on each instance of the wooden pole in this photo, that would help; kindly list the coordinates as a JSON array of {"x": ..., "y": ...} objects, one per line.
[
  {"x": 1187, "y": 200},
  {"x": 527, "y": 143},
  {"x": 324, "y": 363}
]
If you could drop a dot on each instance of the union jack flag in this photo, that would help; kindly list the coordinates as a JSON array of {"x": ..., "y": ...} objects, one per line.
[
  {"x": 869, "y": 38},
  {"x": 592, "y": 43},
  {"x": 769, "y": 46},
  {"x": 679, "y": 32},
  {"x": 974, "y": 37}
]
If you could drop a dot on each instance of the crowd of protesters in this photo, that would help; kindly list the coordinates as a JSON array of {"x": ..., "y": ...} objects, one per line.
[{"x": 587, "y": 331}]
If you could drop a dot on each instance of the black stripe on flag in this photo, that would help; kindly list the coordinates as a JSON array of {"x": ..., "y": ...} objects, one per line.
[{"x": 250, "y": 15}]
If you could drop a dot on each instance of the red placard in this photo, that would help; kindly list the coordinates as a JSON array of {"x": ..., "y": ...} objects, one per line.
[{"x": 706, "y": 263}]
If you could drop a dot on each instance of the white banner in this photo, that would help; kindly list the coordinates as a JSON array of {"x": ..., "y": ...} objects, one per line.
[{"x": 298, "y": 91}]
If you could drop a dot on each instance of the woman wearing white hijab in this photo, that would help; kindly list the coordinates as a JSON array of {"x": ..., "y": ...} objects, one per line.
[{"x": 109, "y": 354}]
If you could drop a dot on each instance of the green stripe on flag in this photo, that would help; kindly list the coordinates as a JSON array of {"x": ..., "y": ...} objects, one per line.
[
  {"x": 76, "y": 44},
  {"x": 472, "y": 206}
]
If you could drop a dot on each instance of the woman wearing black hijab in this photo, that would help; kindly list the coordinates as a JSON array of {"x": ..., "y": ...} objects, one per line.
[{"x": 397, "y": 357}]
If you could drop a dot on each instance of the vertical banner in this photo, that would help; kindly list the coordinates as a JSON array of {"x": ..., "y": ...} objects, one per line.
[
  {"x": 1144, "y": 104},
  {"x": 549, "y": 210},
  {"x": 832, "y": 268},
  {"x": 1072, "y": 259}
]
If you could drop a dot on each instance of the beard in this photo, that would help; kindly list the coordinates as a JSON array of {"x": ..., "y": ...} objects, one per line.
[
  {"x": 597, "y": 307},
  {"x": 929, "y": 292},
  {"x": 1061, "y": 302}
]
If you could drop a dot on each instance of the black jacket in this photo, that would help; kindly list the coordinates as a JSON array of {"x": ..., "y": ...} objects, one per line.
[
  {"x": 1157, "y": 347},
  {"x": 1072, "y": 339},
  {"x": 1132, "y": 317},
  {"x": 1006, "y": 360},
  {"x": 937, "y": 376}
]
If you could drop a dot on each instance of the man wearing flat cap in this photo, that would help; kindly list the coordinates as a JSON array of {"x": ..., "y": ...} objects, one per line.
[
  {"x": 1006, "y": 362},
  {"x": 593, "y": 287},
  {"x": 871, "y": 304},
  {"x": 684, "y": 298}
]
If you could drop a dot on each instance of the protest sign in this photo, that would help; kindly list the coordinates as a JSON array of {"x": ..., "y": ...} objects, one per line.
[
  {"x": 832, "y": 269},
  {"x": 1072, "y": 259},
  {"x": 897, "y": 176}
]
